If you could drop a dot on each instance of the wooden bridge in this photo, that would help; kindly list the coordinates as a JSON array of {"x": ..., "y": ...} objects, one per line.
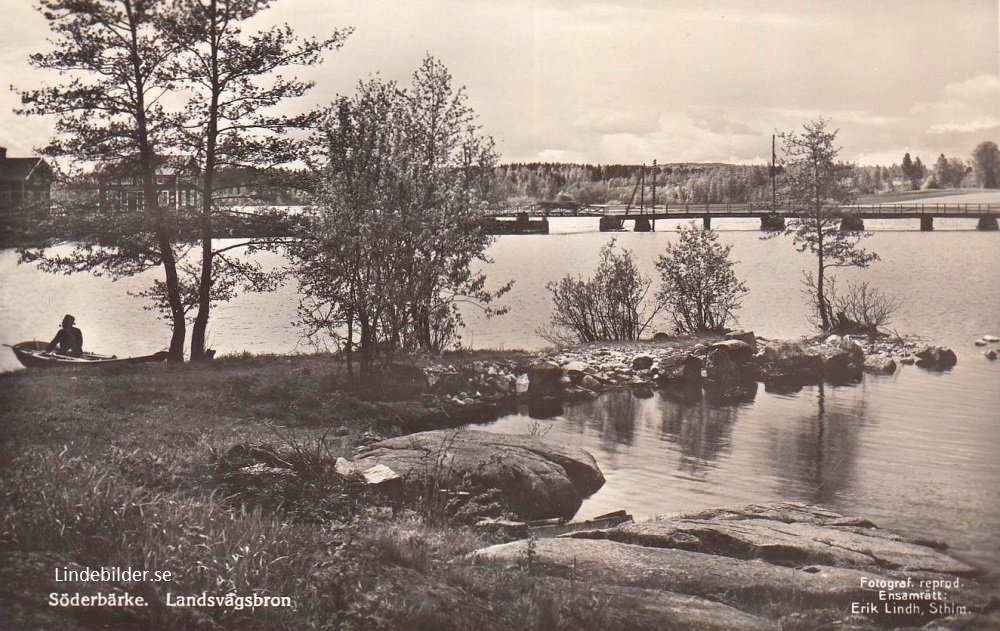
[{"x": 644, "y": 218}]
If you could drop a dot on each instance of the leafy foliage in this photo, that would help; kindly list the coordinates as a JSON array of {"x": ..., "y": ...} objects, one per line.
[
  {"x": 699, "y": 286},
  {"x": 386, "y": 254},
  {"x": 615, "y": 304},
  {"x": 987, "y": 159},
  {"x": 231, "y": 82},
  {"x": 109, "y": 115}
]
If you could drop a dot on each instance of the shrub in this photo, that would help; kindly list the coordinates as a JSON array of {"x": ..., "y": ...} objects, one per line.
[
  {"x": 863, "y": 308},
  {"x": 699, "y": 287},
  {"x": 613, "y": 305}
]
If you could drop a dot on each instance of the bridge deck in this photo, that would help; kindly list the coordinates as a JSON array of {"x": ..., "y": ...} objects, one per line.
[{"x": 694, "y": 211}]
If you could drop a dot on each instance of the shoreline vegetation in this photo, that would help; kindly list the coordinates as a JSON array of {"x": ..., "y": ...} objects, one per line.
[
  {"x": 33, "y": 226},
  {"x": 231, "y": 476}
]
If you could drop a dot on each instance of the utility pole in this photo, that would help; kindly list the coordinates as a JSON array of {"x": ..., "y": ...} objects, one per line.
[
  {"x": 774, "y": 174},
  {"x": 654, "y": 196}
]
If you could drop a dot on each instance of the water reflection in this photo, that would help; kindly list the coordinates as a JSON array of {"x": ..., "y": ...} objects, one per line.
[
  {"x": 613, "y": 417},
  {"x": 814, "y": 454},
  {"x": 688, "y": 419}
]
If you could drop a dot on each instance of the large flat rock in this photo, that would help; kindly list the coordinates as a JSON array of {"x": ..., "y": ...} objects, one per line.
[
  {"x": 788, "y": 534},
  {"x": 740, "y": 583},
  {"x": 786, "y": 565},
  {"x": 637, "y": 609},
  {"x": 537, "y": 479}
]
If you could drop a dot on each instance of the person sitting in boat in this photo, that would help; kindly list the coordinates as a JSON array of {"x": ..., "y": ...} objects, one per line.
[{"x": 69, "y": 339}]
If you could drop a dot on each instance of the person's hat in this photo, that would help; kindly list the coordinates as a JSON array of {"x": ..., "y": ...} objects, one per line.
[{"x": 68, "y": 318}]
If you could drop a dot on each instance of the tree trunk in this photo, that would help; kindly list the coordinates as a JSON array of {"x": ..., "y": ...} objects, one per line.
[
  {"x": 147, "y": 168},
  {"x": 208, "y": 178}
]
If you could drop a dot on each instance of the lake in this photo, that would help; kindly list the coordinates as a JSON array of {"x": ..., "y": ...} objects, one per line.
[{"x": 916, "y": 451}]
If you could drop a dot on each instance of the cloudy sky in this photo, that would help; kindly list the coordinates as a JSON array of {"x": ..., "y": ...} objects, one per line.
[{"x": 635, "y": 80}]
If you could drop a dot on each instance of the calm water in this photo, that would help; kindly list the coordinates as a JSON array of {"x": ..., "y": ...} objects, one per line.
[{"x": 917, "y": 451}]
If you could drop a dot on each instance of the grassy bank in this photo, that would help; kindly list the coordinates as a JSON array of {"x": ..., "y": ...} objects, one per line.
[{"x": 128, "y": 468}]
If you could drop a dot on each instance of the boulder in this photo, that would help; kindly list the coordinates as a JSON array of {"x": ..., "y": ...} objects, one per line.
[
  {"x": 579, "y": 393},
  {"x": 678, "y": 368},
  {"x": 642, "y": 362},
  {"x": 575, "y": 370},
  {"x": 576, "y": 366},
  {"x": 744, "y": 336},
  {"x": 544, "y": 380},
  {"x": 537, "y": 479},
  {"x": 739, "y": 351},
  {"x": 789, "y": 362},
  {"x": 720, "y": 368},
  {"x": 936, "y": 358},
  {"x": 880, "y": 364},
  {"x": 843, "y": 360}
]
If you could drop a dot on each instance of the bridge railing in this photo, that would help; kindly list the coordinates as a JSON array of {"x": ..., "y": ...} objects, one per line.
[{"x": 757, "y": 208}]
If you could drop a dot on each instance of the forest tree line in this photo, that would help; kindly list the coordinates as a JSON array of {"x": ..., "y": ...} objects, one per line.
[{"x": 523, "y": 184}]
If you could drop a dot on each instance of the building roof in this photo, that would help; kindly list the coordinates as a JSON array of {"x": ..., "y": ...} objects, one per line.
[{"x": 22, "y": 169}]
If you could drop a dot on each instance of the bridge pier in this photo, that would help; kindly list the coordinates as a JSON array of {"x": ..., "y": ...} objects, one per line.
[
  {"x": 987, "y": 223},
  {"x": 610, "y": 224},
  {"x": 852, "y": 223},
  {"x": 707, "y": 223},
  {"x": 772, "y": 223},
  {"x": 926, "y": 224},
  {"x": 642, "y": 225}
]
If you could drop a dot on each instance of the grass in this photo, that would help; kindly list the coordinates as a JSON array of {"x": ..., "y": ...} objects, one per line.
[
  {"x": 917, "y": 196},
  {"x": 224, "y": 475},
  {"x": 141, "y": 467}
]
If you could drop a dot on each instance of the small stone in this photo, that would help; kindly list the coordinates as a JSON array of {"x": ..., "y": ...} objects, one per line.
[
  {"x": 880, "y": 364},
  {"x": 990, "y": 354},
  {"x": 981, "y": 342},
  {"x": 991, "y": 338},
  {"x": 521, "y": 384}
]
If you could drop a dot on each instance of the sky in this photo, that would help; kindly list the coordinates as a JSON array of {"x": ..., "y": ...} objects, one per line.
[{"x": 630, "y": 81}]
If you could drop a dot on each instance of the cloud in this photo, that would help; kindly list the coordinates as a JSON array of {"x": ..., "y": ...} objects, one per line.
[
  {"x": 624, "y": 119},
  {"x": 980, "y": 86},
  {"x": 965, "y": 128},
  {"x": 719, "y": 122},
  {"x": 974, "y": 98}
]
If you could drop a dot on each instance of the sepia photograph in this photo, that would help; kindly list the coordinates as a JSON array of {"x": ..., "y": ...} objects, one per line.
[{"x": 521, "y": 315}]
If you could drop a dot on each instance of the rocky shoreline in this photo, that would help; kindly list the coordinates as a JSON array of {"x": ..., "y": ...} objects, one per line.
[
  {"x": 763, "y": 566},
  {"x": 727, "y": 369}
]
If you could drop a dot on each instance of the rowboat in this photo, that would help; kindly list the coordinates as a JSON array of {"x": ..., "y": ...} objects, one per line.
[{"x": 35, "y": 353}]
